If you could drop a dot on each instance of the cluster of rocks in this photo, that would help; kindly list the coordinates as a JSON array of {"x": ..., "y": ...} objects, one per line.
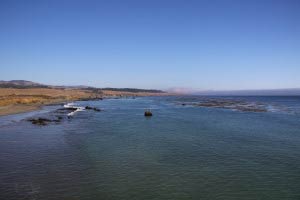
[
  {"x": 44, "y": 121},
  {"x": 92, "y": 108},
  {"x": 66, "y": 110},
  {"x": 231, "y": 104},
  {"x": 58, "y": 115}
]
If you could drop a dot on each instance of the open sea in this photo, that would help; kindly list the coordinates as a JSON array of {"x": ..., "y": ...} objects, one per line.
[{"x": 182, "y": 152}]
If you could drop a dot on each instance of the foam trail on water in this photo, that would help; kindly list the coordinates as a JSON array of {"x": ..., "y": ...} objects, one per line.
[{"x": 71, "y": 105}]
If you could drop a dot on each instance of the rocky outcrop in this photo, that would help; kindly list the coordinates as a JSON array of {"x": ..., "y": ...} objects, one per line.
[
  {"x": 233, "y": 105},
  {"x": 60, "y": 114},
  {"x": 92, "y": 108},
  {"x": 44, "y": 121},
  {"x": 148, "y": 113}
]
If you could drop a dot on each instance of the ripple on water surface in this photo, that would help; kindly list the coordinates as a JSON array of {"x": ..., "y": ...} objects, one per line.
[{"x": 179, "y": 153}]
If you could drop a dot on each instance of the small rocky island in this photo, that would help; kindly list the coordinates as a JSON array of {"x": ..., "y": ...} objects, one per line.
[{"x": 148, "y": 113}]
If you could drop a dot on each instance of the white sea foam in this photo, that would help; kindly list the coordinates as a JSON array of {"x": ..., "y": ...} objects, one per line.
[
  {"x": 69, "y": 105},
  {"x": 72, "y": 105}
]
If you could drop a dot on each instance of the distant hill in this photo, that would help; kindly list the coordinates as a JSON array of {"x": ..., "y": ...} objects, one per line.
[
  {"x": 133, "y": 90},
  {"x": 21, "y": 84}
]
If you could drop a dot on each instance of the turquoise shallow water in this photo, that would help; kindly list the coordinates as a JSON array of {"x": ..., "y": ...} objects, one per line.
[{"x": 182, "y": 152}]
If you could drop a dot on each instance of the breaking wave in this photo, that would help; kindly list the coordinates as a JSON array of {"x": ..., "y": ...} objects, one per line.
[{"x": 72, "y": 105}]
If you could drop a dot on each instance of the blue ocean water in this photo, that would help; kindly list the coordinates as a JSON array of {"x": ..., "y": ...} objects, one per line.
[{"x": 181, "y": 152}]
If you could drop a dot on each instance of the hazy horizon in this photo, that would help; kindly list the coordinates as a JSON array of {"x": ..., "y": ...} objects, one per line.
[{"x": 203, "y": 45}]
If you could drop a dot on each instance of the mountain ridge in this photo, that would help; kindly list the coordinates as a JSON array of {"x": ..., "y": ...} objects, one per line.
[{"x": 23, "y": 84}]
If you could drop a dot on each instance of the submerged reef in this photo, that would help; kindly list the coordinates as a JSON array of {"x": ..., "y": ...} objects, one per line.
[
  {"x": 238, "y": 105},
  {"x": 234, "y": 105}
]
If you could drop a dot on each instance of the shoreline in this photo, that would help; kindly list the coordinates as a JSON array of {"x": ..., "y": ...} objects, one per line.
[
  {"x": 13, "y": 109},
  {"x": 18, "y": 109}
]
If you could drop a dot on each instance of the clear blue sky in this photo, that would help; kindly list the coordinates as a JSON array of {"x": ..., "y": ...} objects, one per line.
[{"x": 160, "y": 44}]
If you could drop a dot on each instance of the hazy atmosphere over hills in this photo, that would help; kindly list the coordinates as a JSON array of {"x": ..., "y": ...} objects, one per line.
[{"x": 275, "y": 92}]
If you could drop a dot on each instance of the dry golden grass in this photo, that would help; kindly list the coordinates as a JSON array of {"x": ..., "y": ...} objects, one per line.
[
  {"x": 21, "y": 100},
  {"x": 45, "y": 92}
]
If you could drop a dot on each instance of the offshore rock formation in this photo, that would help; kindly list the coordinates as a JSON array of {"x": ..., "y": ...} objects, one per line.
[
  {"x": 148, "y": 113},
  {"x": 234, "y": 105},
  {"x": 92, "y": 108},
  {"x": 44, "y": 121},
  {"x": 238, "y": 105},
  {"x": 59, "y": 115}
]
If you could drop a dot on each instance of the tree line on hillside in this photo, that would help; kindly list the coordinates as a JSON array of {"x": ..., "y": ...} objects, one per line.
[
  {"x": 8, "y": 85},
  {"x": 133, "y": 90},
  {"x": 97, "y": 90}
]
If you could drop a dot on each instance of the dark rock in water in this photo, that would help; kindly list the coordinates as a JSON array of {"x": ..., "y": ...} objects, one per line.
[
  {"x": 88, "y": 108},
  {"x": 44, "y": 121},
  {"x": 40, "y": 121},
  {"x": 59, "y": 117},
  {"x": 92, "y": 108},
  {"x": 183, "y": 104},
  {"x": 97, "y": 109},
  {"x": 251, "y": 109},
  {"x": 66, "y": 110},
  {"x": 69, "y": 109},
  {"x": 148, "y": 113}
]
